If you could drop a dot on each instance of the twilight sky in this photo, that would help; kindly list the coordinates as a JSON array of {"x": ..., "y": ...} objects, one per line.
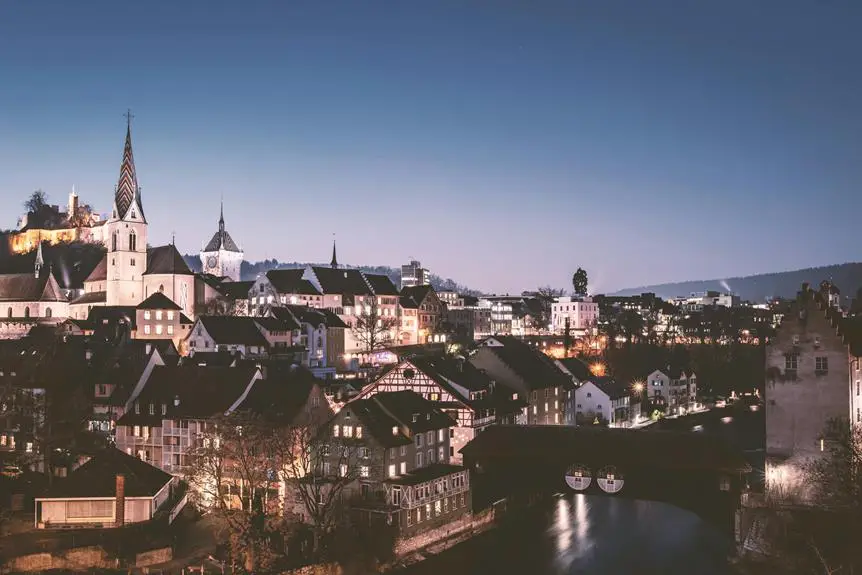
[{"x": 503, "y": 143}]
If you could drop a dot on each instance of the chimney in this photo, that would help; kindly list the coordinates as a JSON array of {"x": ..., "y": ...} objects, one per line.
[{"x": 121, "y": 501}]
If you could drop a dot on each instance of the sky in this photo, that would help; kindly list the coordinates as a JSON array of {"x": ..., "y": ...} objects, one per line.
[{"x": 503, "y": 143}]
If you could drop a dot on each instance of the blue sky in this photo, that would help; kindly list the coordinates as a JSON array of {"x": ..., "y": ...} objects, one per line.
[{"x": 503, "y": 143}]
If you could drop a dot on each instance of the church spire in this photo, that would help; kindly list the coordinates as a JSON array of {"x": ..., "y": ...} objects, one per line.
[
  {"x": 334, "y": 263},
  {"x": 221, "y": 219},
  {"x": 127, "y": 192},
  {"x": 40, "y": 261}
]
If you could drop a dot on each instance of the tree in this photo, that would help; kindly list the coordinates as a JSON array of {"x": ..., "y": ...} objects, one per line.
[
  {"x": 37, "y": 201},
  {"x": 579, "y": 282},
  {"x": 372, "y": 330},
  {"x": 221, "y": 306},
  {"x": 546, "y": 296}
]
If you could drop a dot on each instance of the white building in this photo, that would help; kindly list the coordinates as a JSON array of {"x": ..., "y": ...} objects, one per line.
[
  {"x": 608, "y": 401},
  {"x": 699, "y": 300},
  {"x": 413, "y": 274},
  {"x": 582, "y": 313},
  {"x": 221, "y": 257},
  {"x": 675, "y": 388}
]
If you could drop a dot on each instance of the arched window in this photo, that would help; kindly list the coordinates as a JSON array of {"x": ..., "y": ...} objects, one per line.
[
  {"x": 9, "y": 312},
  {"x": 114, "y": 242},
  {"x": 161, "y": 288},
  {"x": 47, "y": 312},
  {"x": 132, "y": 242},
  {"x": 27, "y": 311}
]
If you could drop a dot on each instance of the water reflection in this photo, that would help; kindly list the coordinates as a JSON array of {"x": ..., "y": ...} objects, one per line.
[{"x": 592, "y": 534}]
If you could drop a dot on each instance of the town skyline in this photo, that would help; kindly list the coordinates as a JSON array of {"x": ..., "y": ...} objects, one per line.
[{"x": 586, "y": 157}]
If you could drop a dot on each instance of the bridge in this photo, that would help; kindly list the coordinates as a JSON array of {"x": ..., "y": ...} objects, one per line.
[{"x": 694, "y": 471}]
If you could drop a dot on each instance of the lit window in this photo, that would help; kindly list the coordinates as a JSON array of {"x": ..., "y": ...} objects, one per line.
[
  {"x": 171, "y": 314},
  {"x": 336, "y": 430},
  {"x": 158, "y": 329},
  {"x": 342, "y": 470},
  {"x": 158, "y": 314},
  {"x": 395, "y": 430},
  {"x": 170, "y": 330},
  {"x": 392, "y": 470},
  {"x": 147, "y": 328},
  {"x": 347, "y": 431},
  {"x": 358, "y": 432},
  {"x": 363, "y": 471},
  {"x": 403, "y": 467}
]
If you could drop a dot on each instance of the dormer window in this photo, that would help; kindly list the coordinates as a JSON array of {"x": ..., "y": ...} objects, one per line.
[
  {"x": 152, "y": 409},
  {"x": 133, "y": 214},
  {"x": 164, "y": 409}
]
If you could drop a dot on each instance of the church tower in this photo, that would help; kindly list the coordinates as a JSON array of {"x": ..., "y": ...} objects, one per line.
[
  {"x": 222, "y": 257},
  {"x": 126, "y": 234}
]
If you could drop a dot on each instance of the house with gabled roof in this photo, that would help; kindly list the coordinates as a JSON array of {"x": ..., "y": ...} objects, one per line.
[
  {"x": 532, "y": 374},
  {"x": 469, "y": 395},
  {"x": 30, "y": 298},
  {"x": 606, "y": 401},
  {"x": 405, "y": 475},
  {"x": 422, "y": 314}
]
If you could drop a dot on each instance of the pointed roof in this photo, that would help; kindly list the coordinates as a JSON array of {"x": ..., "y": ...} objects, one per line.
[
  {"x": 128, "y": 191},
  {"x": 166, "y": 260},
  {"x": 158, "y": 301},
  {"x": 221, "y": 240},
  {"x": 27, "y": 288},
  {"x": 40, "y": 261},
  {"x": 334, "y": 262}
]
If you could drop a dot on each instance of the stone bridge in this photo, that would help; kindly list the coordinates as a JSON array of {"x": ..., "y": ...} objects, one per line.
[{"x": 691, "y": 470}]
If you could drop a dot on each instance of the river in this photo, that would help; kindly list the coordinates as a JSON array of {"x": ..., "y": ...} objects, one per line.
[{"x": 594, "y": 534}]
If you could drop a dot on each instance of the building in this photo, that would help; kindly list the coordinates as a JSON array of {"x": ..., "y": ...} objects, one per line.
[
  {"x": 468, "y": 324},
  {"x": 131, "y": 271},
  {"x": 813, "y": 377},
  {"x": 30, "y": 299},
  {"x": 673, "y": 387},
  {"x": 531, "y": 374},
  {"x": 413, "y": 274},
  {"x": 110, "y": 490},
  {"x": 232, "y": 334},
  {"x": 699, "y": 300},
  {"x": 605, "y": 401},
  {"x": 404, "y": 476},
  {"x": 160, "y": 318},
  {"x": 467, "y": 394},
  {"x": 579, "y": 314},
  {"x": 221, "y": 257},
  {"x": 422, "y": 316}
]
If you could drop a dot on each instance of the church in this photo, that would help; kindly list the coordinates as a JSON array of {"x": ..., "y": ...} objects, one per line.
[{"x": 130, "y": 272}]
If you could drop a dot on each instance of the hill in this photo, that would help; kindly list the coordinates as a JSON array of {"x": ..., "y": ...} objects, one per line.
[
  {"x": 757, "y": 288},
  {"x": 250, "y": 271}
]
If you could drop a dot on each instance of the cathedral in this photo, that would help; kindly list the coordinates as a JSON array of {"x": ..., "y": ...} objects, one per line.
[{"x": 130, "y": 271}]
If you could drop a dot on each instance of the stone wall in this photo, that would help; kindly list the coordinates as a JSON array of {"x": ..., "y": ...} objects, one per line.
[
  {"x": 464, "y": 526},
  {"x": 79, "y": 559},
  {"x": 154, "y": 557}
]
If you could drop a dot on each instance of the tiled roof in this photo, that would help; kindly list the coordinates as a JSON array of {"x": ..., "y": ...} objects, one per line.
[
  {"x": 284, "y": 323},
  {"x": 381, "y": 284},
  {"x": 232, "y": 330},
  {"x": 461, "y": 372},
  {"x": 535, "y": 368},
  {"x": 98, "y": 477},
  {"x": 166, "y": 260},
  {"x": 613, "y": 388},
  {"x": 310, "y": 315},
  {"x": 28, "y": 287},
  {"x": 190, "y": 392},
  {"x": 211, "y": 358},
  {"x": 290, "y": 281},
  {"x": 577, "y": 367},
  {"x": 106, "y": 315},
  {"x": 221, "y": 240},
  {"x": 413, "y": 296},
  {"x": 92, "y": 297},
  {"x": 158, "y": 301},
  {"x": 235, "y": 290},
  {"x": 341, "y": 281},
  {"x": 280, "y": 400},
  {"x": 665, "y": 450},
  {"x": 100, "y": 272},
  {"x": 382, "y": 412},
  {"x": 423, "y": 474}
]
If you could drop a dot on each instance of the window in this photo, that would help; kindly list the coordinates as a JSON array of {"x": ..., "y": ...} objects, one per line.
[
  {"x": 419, "y": 459},
  {"x": 419, "y": 440},
  {"x": 394, "y": 430},
  {"x": 821, "y": 364},
  {"x": 146, "y": 314},
  {"x": 347, "y": 431},
  {"x": 403, "y": 467},
  {"x": 147, "y": 329},
  {"x": 158, "y": 314},
  {"x": 430, "y": 456},
  {"x": 159, "y": 328},
  {"x": 170, "y": 315},
  {"x": 791, "y": 361},
  {"x": 170, "y": 330},
  {"x": 9, "y": 312},
  {"x": 441, "y": 435},
  {"x": 358, "y": 432},
  {"x": 441, "y": 454},
  {"x": 589, "y": 395},
  {"x": 392, "y": 470},
  {"x": 114, "y": 242},
  {"x": 47, "y": 312},
  {"x": 342, "y": 470},
  {"x": 335, "y": 430},
  {"x": 429, "y": 438},
  {"x": 27, "y": 311},
  {"x": 152, "y": 409},
  {"x": 364, "y": 452},
  {"x": 396, "y": 495},
  {"x": 132, "y": 242}
]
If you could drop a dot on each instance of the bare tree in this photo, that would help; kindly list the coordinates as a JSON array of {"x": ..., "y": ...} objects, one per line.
[
  {"x": 37, "y": 201},
  {"x": 221, "y": 306},
  {"x": 546, "y": 296},
  {"x": 372, "y": 330}
]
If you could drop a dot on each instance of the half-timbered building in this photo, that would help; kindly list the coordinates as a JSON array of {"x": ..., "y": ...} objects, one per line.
[{"x": 466, "y": 393}]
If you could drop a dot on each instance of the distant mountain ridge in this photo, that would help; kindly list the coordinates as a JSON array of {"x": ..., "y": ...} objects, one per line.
[
  {"x": 250, "y": 271},
  {"x": 758, "y": 288}
]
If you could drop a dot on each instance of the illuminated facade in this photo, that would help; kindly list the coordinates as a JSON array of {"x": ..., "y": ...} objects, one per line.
[
  {"x": 221, "y": 257},
  {"x": 579, "y": 313}
]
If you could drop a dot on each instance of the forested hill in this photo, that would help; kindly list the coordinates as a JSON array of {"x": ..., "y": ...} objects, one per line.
[
  {"x": 757, "y": 288},
  {"x": 250, "y": 271}
]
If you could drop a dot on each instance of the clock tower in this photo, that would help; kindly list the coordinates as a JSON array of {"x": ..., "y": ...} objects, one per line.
[{"x": 222, "y": 257}]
